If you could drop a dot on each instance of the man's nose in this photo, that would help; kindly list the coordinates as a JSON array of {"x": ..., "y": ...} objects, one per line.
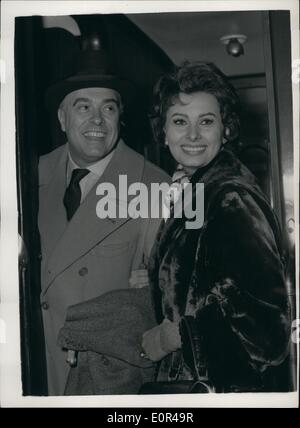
[{"x": 97, "y": 117}]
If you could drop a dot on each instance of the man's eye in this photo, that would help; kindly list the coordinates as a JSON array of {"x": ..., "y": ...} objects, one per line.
[
  {"x": 110, "y": 108},
  {"x": 82, "y": 107}
]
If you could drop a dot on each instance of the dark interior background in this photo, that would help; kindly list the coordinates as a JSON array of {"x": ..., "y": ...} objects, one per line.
[{"x": 141, "y": 47}]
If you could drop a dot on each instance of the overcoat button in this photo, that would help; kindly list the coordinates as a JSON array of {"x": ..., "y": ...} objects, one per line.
[
  {"x": 105, "y": 361},
  {"x": 45, "y": 305},
  {"x": 83, "y": 271}
]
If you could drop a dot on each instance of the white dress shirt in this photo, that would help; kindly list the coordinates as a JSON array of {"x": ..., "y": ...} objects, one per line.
[{"x": 96, "y": 171}]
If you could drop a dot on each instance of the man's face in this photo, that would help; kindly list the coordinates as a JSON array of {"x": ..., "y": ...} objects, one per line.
[{"x": 91, "y": 119}]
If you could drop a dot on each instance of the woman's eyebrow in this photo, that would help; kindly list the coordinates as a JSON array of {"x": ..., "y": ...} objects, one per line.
[
  {"x": 208, "y": 114},
  {"x": 200, "y": 115}
]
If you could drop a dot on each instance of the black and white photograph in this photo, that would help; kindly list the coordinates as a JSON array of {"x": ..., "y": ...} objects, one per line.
[{"x": 149, "y": 204}]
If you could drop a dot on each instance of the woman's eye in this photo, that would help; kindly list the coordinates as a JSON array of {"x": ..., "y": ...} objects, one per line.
[
  {"x": 179, "y": 122},
  {"x": 207, "y": 121}
]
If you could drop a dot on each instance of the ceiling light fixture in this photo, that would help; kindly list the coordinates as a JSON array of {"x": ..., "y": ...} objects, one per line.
[{"x": 234, "y": 44}]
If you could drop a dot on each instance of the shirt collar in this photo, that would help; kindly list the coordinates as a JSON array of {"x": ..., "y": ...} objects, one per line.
[{"x": 97, "y": 168}]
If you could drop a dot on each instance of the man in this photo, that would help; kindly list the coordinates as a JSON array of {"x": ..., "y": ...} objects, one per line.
[{"x": 85, "y": 256}]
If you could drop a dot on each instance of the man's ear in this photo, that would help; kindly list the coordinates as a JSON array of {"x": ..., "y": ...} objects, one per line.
[{"x": 62, "y": 119}]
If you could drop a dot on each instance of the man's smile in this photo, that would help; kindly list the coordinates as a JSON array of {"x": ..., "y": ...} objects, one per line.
[{"x": 94, "y": 134}]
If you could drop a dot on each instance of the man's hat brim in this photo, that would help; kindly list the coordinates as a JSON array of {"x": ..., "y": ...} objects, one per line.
[{"x": 56, "y": 93}]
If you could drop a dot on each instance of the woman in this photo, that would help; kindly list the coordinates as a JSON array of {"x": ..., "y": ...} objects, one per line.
[{"x": 229, "y": 274}]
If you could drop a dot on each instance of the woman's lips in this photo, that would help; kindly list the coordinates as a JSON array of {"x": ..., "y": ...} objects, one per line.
[{"x": 193, "y": 149}]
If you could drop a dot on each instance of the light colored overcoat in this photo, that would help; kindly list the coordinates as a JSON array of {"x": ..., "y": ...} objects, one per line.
[{"x": 88, "y": 256}]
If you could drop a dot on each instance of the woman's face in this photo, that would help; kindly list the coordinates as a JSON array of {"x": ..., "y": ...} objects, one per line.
[{"x": 194, "y": 129}]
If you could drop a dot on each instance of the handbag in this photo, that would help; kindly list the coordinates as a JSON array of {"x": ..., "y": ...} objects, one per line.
[{"x": 190, "y": 355}]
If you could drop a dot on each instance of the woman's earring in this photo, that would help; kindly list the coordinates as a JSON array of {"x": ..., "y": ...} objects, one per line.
[
  {"x": 227, "y": 134},
  {"x": 166, "y": 142}
]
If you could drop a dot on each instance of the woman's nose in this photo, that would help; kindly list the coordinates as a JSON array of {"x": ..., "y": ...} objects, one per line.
[{"x": 194, "y": 132}]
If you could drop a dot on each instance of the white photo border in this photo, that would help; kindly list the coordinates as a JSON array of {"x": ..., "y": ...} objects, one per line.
[{"x": 10, "y": 365}]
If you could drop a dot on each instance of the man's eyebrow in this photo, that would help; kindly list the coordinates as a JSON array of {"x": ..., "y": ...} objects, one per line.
[
  {"x": 109, "y": 100},
  {"x": 79, "y": 100},
  {"x": 112, "y": 100},
  {"x": 86, "y": 100}
]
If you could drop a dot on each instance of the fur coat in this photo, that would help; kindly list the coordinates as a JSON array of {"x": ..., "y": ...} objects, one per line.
[{"x": 229, "y": 275}]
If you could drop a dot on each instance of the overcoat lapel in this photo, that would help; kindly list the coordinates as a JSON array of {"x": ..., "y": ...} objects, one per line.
[
  {"x": 52, "y": 215},
  {"x": 86, "y": 229}
]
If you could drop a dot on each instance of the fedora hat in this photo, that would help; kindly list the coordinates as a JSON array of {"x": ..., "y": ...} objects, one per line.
[{"x": 93, "y": 71}]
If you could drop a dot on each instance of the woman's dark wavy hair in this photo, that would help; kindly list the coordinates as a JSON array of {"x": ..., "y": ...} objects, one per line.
[{"x": 193, "y": 77}]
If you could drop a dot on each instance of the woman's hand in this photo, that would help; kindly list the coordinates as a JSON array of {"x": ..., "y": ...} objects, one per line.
[
  {"x": 161, "y": 340},
  {"x": 139, "y": 278}
]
